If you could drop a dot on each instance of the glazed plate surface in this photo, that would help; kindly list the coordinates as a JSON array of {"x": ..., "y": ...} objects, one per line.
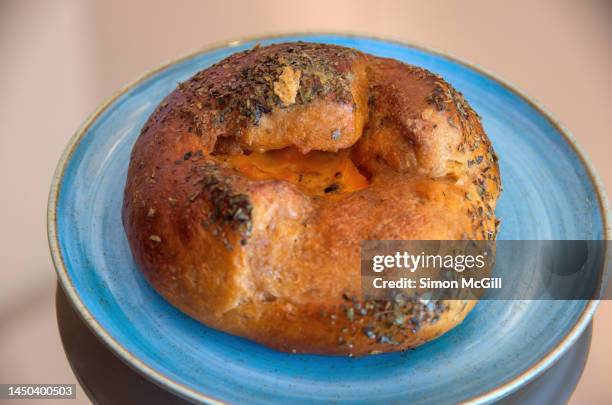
[{"x": 549, "y": 193}]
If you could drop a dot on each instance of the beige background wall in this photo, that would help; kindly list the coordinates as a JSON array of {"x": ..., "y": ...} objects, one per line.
[{"x": 59, "y": 59}]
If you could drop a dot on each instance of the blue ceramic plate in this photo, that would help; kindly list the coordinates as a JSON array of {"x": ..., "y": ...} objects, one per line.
[{"x": 551, "y": 192}]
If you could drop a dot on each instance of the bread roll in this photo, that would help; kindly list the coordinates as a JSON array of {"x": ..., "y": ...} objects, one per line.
[{"x": 252, "y": 185}]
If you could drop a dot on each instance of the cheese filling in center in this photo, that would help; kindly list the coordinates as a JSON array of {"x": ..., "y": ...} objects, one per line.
[{"x": 315, "y": 173}]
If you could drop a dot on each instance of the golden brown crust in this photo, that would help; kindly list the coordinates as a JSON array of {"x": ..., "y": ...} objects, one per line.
[{"x": 263, "y": 259}]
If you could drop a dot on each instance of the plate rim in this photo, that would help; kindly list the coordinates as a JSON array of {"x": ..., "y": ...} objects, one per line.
[{"x": 188, "y": 393}]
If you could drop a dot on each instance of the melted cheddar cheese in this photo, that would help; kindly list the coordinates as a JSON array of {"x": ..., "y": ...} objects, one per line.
[{"x": 315, "y": 173}]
